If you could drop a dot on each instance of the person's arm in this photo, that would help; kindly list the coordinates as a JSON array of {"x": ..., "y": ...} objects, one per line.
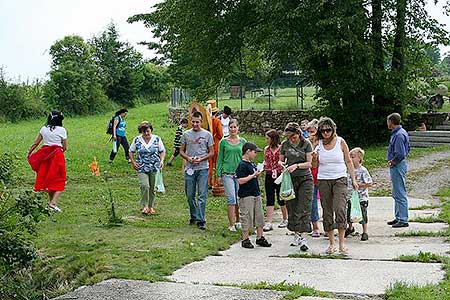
[
  {"x": 399, "y": 149},
  {"x": 162, "y": 153},
  {"x": 304, "y": 165},
  {"x": 131, "y": 151},
  {"x": 219, "y": 163},
  {"x": 218, "y": 132},
  {"x": 249, "y": 177},
  {"x": 349, "y": 163},
  {"x": 64, "y": 145},
  {"x": 115, "y": 124},
  {"x": 209, "y": 155},
  {"x": 36, "y": 143}
]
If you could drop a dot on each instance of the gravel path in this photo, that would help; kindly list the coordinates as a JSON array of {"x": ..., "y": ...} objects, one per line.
[{"x": 418, "y": 185}]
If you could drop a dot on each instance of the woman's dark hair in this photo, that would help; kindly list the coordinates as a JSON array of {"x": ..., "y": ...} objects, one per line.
[
  {"x": 144, "y": 126},
  {"x": 326, "y": 122},
  {"x": 55, "y": 119},
  {"x": 184, "y": 121},
  {"x": 121, "y": 111},
  {"x": 274, "y": 138},
  {"x": 227, "y": 110}
]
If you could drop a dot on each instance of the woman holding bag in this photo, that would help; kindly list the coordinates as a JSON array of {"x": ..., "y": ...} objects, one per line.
[
  {"x": 150, "y": 153},
  {"x": 295, "y": 155},
  {"x": 334, "y": 162}
]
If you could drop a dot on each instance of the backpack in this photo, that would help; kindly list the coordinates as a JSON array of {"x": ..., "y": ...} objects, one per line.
[{"x": 110, "y": 126}]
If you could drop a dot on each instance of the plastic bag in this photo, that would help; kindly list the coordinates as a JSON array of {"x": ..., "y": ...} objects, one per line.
[
  {"x": 355, "y": 212},
  {"x": 286, "y": 189},
  {"x": 159, "y": 184},
  {"x": 114, "y": 146},
  {"x": 279, "y": 179}
]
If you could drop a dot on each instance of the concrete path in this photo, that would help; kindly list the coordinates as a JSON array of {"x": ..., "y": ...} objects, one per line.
[{"x": 372, "y": 259}]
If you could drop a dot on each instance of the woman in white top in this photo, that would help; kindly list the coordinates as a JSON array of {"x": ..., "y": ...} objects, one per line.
[
  {"x": 334, "y": 161},
  {"x": 48, "y": 162},
  {"x": 150, "y": 153}
]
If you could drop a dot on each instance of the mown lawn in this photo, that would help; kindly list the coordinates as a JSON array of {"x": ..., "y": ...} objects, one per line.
[{"x": 77, "y": 244}]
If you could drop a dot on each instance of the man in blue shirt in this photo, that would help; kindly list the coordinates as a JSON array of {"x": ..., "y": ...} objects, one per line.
[{"x": 396, "y": 156}]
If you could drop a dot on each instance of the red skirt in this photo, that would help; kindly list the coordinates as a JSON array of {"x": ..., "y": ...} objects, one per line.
[{"x": 50, "y": 167}]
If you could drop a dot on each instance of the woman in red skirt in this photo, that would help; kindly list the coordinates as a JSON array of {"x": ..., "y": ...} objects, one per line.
[{"x": 48, "y": 162}]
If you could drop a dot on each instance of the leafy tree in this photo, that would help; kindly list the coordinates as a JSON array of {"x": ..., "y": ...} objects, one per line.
[
  {"x": 156, "y": 84},
  {"x": 74, "y": 86},
  {"x": 119, "y": 66}
]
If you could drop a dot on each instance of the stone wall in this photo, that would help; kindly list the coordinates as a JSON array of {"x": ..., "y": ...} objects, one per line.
[{"x": 254, "y": 121}]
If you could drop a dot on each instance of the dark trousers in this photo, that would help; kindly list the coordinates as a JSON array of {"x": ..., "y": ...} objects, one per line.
[
  {"x": 121, "y": 140},
  {"x": 272, "y": 190}
]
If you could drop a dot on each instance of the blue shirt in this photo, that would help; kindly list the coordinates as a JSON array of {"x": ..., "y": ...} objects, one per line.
[
  {"x": 148, "y": 155},
  {"x": 399, "y": 145},
  {"x": 120, "y": 128}
]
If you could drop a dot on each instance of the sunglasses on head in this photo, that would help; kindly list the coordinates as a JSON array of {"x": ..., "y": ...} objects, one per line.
[{"x": 327, "y": 130}]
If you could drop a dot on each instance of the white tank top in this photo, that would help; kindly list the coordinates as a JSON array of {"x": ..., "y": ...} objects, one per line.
[{"x": 331, "y": 162}]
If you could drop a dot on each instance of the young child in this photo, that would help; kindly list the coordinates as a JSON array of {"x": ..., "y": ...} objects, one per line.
[
  {"x": 176, "y": 142},
  {"x": 364, "y": 182},
  {"x": 250, "y": 205},
  {"x": 303, "y": 125}
]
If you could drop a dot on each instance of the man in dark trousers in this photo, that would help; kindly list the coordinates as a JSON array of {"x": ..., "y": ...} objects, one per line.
[{"x": 396, "y": 156}]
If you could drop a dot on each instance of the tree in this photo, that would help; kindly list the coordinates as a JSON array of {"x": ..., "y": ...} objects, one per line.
[
  {"x": 74, "y": 86},
  {"x": 119, "y": 66},
  {"x": 356, "y": 52},
  {"x": 156, "y": 84}
]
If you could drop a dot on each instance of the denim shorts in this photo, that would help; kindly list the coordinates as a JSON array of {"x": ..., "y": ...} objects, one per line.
[{"x": 231, "y": 186}]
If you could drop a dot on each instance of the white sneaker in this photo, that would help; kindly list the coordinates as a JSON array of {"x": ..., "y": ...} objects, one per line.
[
  {"x": 283, "y": 224},
  {"x": 268, "y": 227},
  {"x": 297, "y": 240},
  {"x": 54, "y": 208},
  {"x": 303, "y": 244},
  {"x": 232, "y": 228},
  {"x": 238, "y": 225}
]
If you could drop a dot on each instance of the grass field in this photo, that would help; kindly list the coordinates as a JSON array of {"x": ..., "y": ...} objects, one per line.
[{"x": 77, "y": 244}]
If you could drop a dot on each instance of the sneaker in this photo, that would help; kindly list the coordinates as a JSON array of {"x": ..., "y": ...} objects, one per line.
[
  {"x": 364, "y": 237},
  {"x": 303, "y": 244},
  {"x": 268, "y": 227},
  {"x": 201, "y": 226},
  {"x": 232, "y": 228},
  {"x": 54, "y": 208},
  {"x": 283, "y": 224},
  {"x": 392, "y": 222},
  {"x": 192, "y": 222},
  {"x": 247, "y": 244},
  {"x": 399, "y": 225},
  {"x": 169, "y": 164},
  {"x": 349, "y": 231},
  {"x": 238, "y": 225},
  {"x": 296, "y": 241},
  {"x": 263, "y": 242}
]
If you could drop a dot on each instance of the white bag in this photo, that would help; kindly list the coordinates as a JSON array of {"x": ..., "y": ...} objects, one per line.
[{"x": 279, "y": 179}]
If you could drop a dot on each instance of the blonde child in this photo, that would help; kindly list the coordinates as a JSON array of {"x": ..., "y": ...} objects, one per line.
[{"x": 364, "y": 181}]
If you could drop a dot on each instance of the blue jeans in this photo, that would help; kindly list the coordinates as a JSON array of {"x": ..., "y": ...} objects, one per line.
[
  {"x": 231, "y": 186},
  {"x": 398, "y": 174},
  {"x": 315, "y": 206},
  {"x": 197, "y": 206}
]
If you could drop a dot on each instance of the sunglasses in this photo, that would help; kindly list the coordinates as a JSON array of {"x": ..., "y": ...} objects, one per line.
[{"x": 327, "y": 130}]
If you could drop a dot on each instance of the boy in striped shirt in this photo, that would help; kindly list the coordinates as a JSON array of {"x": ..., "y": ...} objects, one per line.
[{"x": 176, "y": 142}]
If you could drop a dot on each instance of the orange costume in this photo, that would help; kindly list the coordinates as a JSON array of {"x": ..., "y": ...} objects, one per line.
[{"x": 217, "y": 133}]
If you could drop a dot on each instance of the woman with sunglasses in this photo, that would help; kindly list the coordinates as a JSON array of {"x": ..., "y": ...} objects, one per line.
[
  {"x": 334, "y": 161},
  {"x": 295, "y": 155}
]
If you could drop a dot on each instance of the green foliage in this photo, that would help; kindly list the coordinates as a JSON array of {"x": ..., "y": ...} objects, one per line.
[
  {"x": 119, "y": 66},
  {"x": 74, "y": 86},
  {"x": 156, "y": 83},
  {"x": 20, "y": 101},
  {"x": 423, "y": 257},
  {"x": 7, "y": 164}
]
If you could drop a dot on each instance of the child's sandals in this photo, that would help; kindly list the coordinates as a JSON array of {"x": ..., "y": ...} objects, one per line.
[
  {"x": 343, "y": 251},
  {"x": 330, "y": 250}
]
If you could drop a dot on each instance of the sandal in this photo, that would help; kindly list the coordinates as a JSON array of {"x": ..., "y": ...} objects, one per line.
[
  {"x": 152, "y": 211},
  {"x": 315, "y": 234},
  {"x": 343, "y": 252},
  {"x": 146, "y": 211},
  {"x": 330, "y": 250}
]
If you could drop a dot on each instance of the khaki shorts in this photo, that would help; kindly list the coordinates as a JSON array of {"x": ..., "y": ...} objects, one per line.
[{"x": 251, "y": 212}]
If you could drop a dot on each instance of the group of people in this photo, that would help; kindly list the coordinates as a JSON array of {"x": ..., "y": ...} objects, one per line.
[{"x": 318, "y": 161}]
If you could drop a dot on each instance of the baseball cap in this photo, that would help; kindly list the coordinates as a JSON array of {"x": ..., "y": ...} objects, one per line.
[{"x": 250, "y": 146}]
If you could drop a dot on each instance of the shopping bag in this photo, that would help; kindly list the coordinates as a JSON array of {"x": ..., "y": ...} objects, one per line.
[
  {"x": 286, "y": 189},
  {"x": 279, "y": 179},
  {"x": 159, "y": 184},
  {"x": 114, "y": 146},
  {"x": 355, "y": 212}
]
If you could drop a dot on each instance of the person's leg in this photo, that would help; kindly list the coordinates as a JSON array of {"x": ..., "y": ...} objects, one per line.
[
  {"x": 315, "y": 213},
  {"x": 340, "y": 209},
  {"x": 399, "y": 190},
  {"x": 364, "y": 221},
  {"x": 151, "y": 192},
  {"x": 236, "y": 207},
  {"x": 189, "y": 189},
  {"x": 326, "y": 201},
  {"x": 202, "y": 185},
  {"x": 126, "y": 147},
  {"x": 53, "y": 197},
  {"x": 259, "y": 216},
  {"x": 144, "y": 183},
  {"x": 230, "y": 195},
  {"x": 269, "y": 185}
]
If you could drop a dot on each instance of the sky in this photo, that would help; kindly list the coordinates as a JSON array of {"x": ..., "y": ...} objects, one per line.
[{"x": 28, "y": 28}]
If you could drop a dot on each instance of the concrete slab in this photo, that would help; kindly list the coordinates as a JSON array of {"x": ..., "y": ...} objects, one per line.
[
  {"x": 333, "y": 275},
  {"x": 115, "y": 289}
]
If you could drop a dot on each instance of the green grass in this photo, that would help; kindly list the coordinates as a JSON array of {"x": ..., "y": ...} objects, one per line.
[
  {"x": 312, "y": 255},
  {"x": 423, "y": 257},
  {"x": 424, "y": 207},
  {"x": 440, "y": 291},
  {"x": 294, "y": 291},
  {"x": 421, "y": 233},
  {"x": 427, "y": 219}
]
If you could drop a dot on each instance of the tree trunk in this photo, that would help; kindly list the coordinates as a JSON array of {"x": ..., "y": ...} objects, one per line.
[
  {"x": 398, "y": 55},
  {"x": 377, "y": 36}
]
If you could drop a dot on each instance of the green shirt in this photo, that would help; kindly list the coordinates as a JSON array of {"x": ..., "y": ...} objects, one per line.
[{"x": 229, "y": 157}]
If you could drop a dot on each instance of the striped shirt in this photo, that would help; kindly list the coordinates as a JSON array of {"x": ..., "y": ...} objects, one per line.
[{"x": 178, "y": 134}]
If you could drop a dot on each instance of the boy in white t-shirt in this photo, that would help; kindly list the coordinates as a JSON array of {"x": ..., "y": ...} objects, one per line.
[{"x": 364, "y": 182}]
